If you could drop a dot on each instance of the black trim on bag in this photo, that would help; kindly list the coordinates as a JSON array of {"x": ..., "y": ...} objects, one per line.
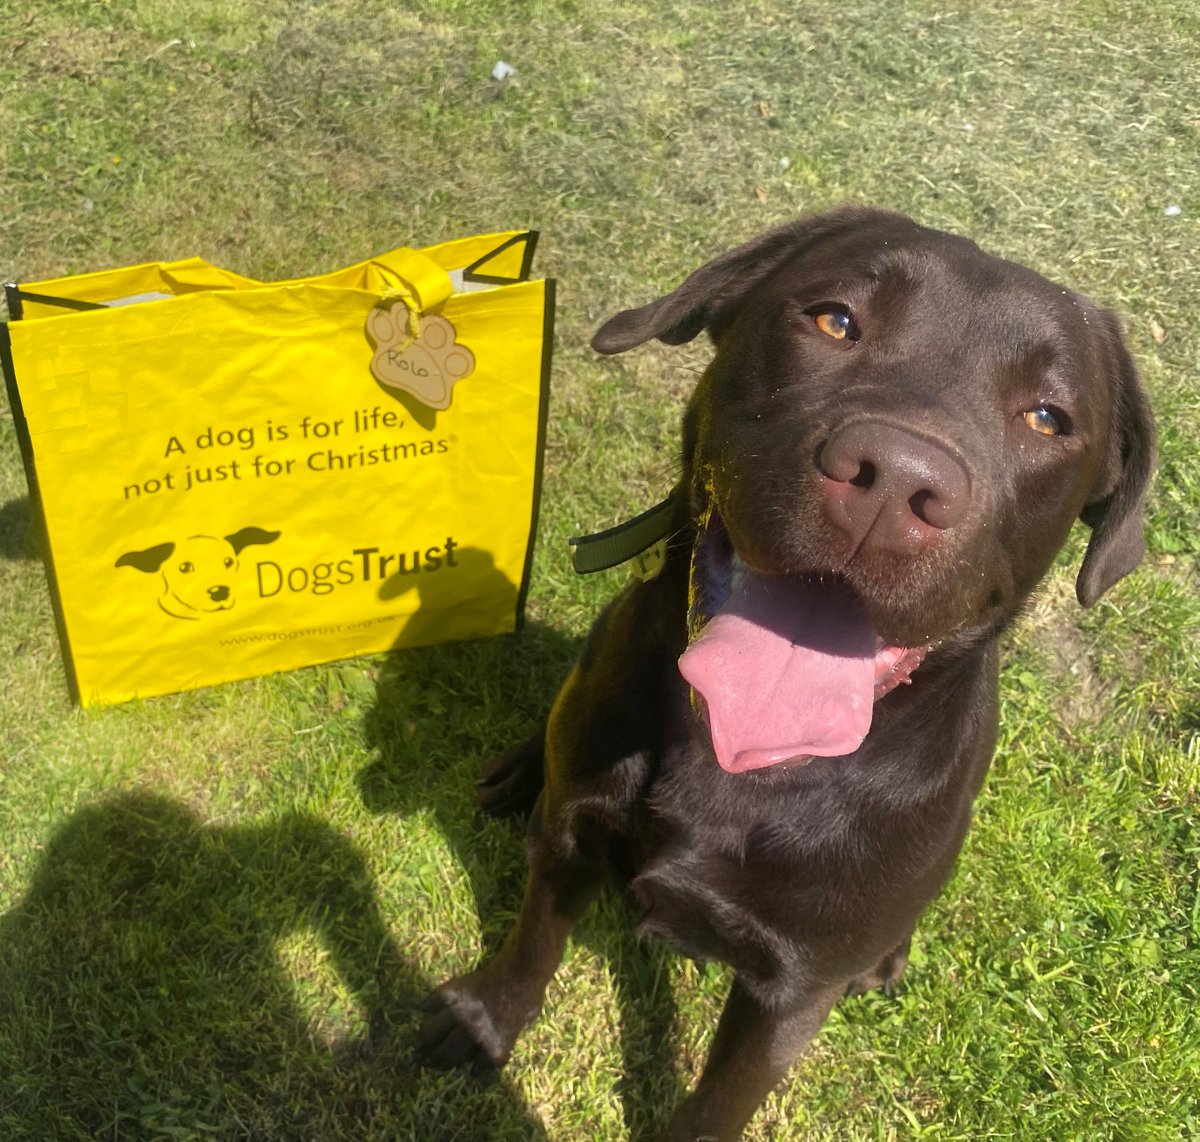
[
  {"x": 12, "y": 300},
  {"x": 548, "y": 307},
  {"x": 529, "y": 238},
  {"x": 15, "y": 296},
  {"x": 37, "y": 510}
]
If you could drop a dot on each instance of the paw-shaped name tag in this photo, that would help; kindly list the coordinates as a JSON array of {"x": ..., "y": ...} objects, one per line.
[{"x": 426, "y": 366}]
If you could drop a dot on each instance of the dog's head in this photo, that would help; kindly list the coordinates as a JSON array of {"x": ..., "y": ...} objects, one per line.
[
  {"x": 198, "y": 573},
  {"x": 898, "y": 430}
]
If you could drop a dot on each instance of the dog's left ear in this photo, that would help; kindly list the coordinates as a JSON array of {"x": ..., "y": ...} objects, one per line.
[
  {"x": 1115, "y": 512},
  {"x": 248, "y": 535},
  {"x": 709, "y": 294},
  {"x": 149, "y": 560}
]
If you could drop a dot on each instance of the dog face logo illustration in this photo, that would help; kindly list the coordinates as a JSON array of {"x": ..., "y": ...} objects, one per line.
[
  {"x": 199, "y": 574},
  {"x": 426, "y": 366}
]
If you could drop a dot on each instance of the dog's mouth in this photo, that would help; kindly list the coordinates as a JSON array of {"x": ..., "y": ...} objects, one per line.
[{"x": 784, "y": 667}]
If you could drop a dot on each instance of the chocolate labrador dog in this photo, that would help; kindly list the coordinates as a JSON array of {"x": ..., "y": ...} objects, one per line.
[{"x": 775, "y": 743}]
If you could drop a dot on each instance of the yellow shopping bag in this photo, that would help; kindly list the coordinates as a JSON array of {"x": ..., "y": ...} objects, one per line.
[{"x": 239, "y": 477}]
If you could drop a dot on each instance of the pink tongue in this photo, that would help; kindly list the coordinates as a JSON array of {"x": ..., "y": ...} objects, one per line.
[{"x": 786, "y": 668}]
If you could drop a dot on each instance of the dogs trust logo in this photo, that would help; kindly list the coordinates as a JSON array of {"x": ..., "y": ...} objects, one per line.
[
  {"x": 199, "y": 574},
  {"x": 417, "y": 355}
]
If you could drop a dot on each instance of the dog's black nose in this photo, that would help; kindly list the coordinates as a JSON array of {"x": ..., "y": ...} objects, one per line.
[
  {"x": 891, "y": 487},
  {"x": 218, "y": 594}
]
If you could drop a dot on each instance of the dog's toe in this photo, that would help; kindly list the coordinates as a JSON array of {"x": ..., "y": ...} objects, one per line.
[
  {"x": 509, "y": 784},
  {"x": 459, "y": 1032},
  {"x": 445, "y": 1043}
]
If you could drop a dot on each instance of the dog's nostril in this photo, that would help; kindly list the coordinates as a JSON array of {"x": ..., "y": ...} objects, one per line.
[
  {"x": 865, "y": 477},
  {"x": 847, "y": 465},
  {"x": 926, "y": 506}
]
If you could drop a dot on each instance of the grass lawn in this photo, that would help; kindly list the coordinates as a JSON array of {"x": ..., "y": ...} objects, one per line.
[{"x": 218, "y": 909}]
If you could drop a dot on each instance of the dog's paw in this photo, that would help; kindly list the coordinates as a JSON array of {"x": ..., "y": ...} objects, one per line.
[
  {"x": 509, "y": 784},
  {"x": 426, "y": 366},
  {"x": 886, "y": 975},
  {"x": 461, "y": 1029}
]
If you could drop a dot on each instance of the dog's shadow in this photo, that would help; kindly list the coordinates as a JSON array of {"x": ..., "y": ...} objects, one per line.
[
  {"x": 164, "y": 977},
  {"x": 440, "y": 713}
]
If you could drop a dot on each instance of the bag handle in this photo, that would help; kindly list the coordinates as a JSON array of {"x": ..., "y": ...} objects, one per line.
[
  {"x": 403, "y": 273},
  {"x": 409, "y": 276}
]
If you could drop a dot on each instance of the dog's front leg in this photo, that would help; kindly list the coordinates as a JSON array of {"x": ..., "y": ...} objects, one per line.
[
  {"x": 752, "y": 1050},
  {"x": 478, "y": 1016}
]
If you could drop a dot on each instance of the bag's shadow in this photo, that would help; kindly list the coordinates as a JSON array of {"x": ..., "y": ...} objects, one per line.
[
  {"x": 156, "y": 983},
  {"x": 17, "y": 538},
  {"x": 440, "y": 713}
]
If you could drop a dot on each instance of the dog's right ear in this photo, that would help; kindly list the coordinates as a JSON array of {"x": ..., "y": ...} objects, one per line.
[
  {"x": 712, "y": 291},
  {"x": 149, "y": 560},
  {"x": 242, "y": 539}
]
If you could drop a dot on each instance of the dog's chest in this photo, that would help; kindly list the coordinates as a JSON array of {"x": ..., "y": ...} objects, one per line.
[{"x": 734, "y": 893}]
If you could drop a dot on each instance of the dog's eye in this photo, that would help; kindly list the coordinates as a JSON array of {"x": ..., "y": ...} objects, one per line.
[
  {"x": 836, "y": 323},
  {"x": 1045, "y": 420},
  {"x": 186, "y": 567},
  {"x": 228, "y": 561}
]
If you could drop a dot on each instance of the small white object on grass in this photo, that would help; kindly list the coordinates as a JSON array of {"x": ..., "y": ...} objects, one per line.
[
  {"x": 503, "y": 71},
  {"x": 1174, "y": 210}
]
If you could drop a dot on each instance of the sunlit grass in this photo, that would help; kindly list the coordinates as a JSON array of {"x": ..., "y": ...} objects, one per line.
[{"x": 218, "y": 909}]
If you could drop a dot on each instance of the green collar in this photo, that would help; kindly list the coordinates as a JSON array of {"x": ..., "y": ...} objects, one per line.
[{"x": 640, "y": 541}]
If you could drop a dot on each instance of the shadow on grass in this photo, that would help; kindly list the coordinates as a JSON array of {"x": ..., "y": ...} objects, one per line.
[
  {"x": 147, "y": 991},
  {"x": 17, "y": 540},
  {"x": 440, "y": 714}
]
